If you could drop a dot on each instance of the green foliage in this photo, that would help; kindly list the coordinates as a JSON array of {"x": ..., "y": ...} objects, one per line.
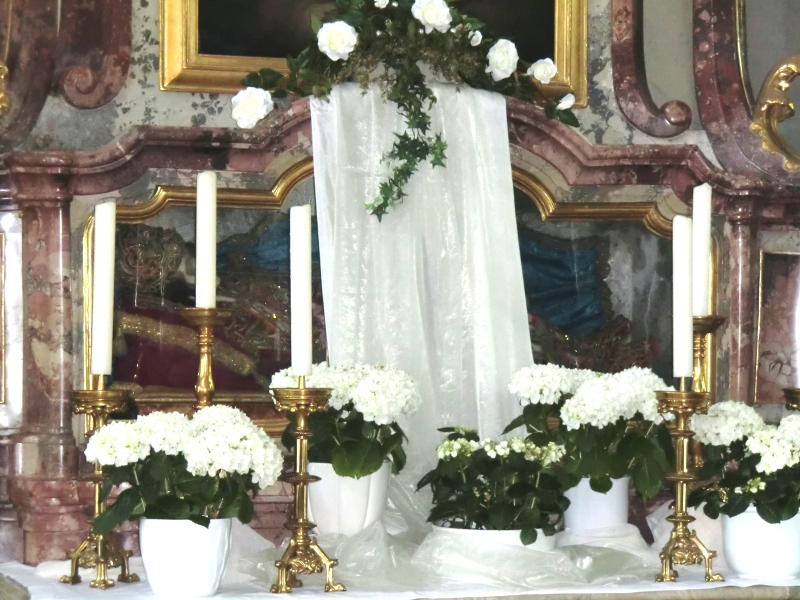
[
  {"x": 355, "y": 447},
  {"x": 391, "y": 47},
  {"x": 162, "y": 488},
  {"x": 477, "y": 491},
  {"x": 729, "y": 473}
]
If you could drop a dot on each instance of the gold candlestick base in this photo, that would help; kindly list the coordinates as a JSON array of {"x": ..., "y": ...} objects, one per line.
[
  {"x": 792, "y": 396},
  {"x": 303, "y": 555},
  {"x": 683, "y": 547},
  {"x": 204, "y": 320},
  {"x": 102, "y": 552}
]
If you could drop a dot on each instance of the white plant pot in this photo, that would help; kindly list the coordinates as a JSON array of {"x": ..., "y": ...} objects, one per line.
[
  {"x": 183, "y": 559},
  {"x": 480, "y": 537},
  {"x": 345, "y": 505},
  {"x": 591, "y": 510},
  {"x": 755, "y": 549}
]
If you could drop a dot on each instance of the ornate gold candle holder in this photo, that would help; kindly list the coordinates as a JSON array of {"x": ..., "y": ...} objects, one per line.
[
  {"x": 683, "y": 547},
  {"x": 303, "y": 555},
  {"x": 792, "y": 396},
  {"x": 704, "y": 370},
  {"x": 102, "y": 552},
  {"x": 204, "y": 320}
]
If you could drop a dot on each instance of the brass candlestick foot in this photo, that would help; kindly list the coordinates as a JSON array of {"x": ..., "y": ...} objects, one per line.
[
  {"x": 102, "y": 552},
  {"x": 302, "y": 556},
  {"x": 792, "y": 396},
  {"x": 683, "y": 547},
  {"x": 204, "y": 320}
]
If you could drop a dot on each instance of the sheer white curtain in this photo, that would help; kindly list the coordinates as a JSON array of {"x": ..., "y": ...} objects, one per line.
[{"x": 435, "y": 288}]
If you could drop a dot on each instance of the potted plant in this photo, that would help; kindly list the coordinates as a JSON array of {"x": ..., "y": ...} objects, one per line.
[
  {"x": 506, "y": 491},
  {"x": 612, "y": 432},
  {"x": 753, "y": 480},
  {"x": 356, "y": 443},
  {"x": 187, "y": 479}
]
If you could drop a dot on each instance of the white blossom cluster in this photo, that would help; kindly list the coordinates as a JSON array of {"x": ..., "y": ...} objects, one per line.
[
  {"x": 217, "y": 441},
  {"x": 607, "y": 398},
  {"x": 789, "y": 427},
  {"x": 453, "y": 448},
  {"x": 775, "y": 449},
  {"x": 547, "y": 383},
  {"x": 381, "y": 394},
  {"x": 546, "y": 455},
  {"x": 752, "y": 486},
  {"x": 725, "y": 423}
]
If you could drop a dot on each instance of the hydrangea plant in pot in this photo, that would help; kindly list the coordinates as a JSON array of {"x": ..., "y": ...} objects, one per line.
[
  {"x": 356, "y": 444},
  {"x": 186, "y": 479},
  {"x": 506, "y": 491},
  {"x": 753, "y": 480},
  {"x": 612, "y": 432}
]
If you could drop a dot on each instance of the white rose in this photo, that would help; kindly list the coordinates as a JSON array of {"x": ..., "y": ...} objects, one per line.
[
  {"x": 543, "y": 70},
  {"x": 337, "y": 40},
  {"x": 433, "y": 14},
  {"x": 566, "y": 102},
  {"x": 503, "y": 59},
  {"x": 381, "y": 3},
  {"x": 475, "y": 38},
  {"x": 250, "y": 106}
]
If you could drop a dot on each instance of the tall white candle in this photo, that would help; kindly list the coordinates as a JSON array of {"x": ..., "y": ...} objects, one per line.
[
  {"x": 105, "y": 227},
  {"x": 300, "y": 273},
  {"x": 206, "y": 241},
  {"x": 701, "y": 249},
  {"x": 682, "y": 342}
]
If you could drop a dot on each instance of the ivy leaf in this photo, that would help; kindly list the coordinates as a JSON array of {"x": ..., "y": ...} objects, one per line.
[
  {"x": 270, "y": 78},
  {"x": 316, "y": 24},
  {"x": 567, "y": 117}
]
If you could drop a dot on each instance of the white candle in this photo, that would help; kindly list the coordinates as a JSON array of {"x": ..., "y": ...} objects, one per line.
[
  {"x": 682, "y": 326},
  {"x": 701, "y": 249},
  {"x": 105, "y": 228},
  {"x": 206, "y": 241},
  {"x": 300, "y": 273}
]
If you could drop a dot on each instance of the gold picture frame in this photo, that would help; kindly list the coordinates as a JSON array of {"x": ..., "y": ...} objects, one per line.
[{"x": 183, "y": 69}]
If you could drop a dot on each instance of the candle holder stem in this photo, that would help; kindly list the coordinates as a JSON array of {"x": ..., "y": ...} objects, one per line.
[
  {"x": 204, "y": 320},
  {"x": 683, "y": 547},
  {"x": 102, "y": 552},
  {"x": 303, "y": 555}
]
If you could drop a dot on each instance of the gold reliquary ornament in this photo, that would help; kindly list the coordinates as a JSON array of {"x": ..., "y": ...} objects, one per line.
[{"x": 774, "y": 106}]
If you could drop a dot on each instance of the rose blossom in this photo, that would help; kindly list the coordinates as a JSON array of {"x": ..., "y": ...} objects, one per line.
[
  {"x": 433, "y": 14},
  {"x": 337, "y": 40},
  {"x": 503, "y": 59},
  {"x": 543, "y": 70},
  {"x": 250, "y": 106},
  {"x": 566, "y": 102}
]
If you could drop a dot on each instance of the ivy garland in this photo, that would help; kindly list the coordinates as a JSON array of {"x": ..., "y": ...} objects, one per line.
[{"x": 359, "y": 37}]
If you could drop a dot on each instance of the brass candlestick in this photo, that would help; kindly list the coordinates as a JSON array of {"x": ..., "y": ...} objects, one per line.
[
  {"x": 792, "y": 396},
  {"x": 100, "y": 551},
  {"x": 683, "y": 547},
  {"x": 303, "y": 555},
  {"x": 204, "y": 320},
  {"x": 704, "y": 370}
]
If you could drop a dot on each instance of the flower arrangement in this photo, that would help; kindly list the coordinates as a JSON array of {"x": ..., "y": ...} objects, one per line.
[
  {"x": 499, "y": 485},
  {"x": 748, "y": 463},
  {"x": 359, "y": 430},
  {"x": 176, "y": 468},
  {"x": 383, "y": 42},
  {"x": 608, "y": 423}
]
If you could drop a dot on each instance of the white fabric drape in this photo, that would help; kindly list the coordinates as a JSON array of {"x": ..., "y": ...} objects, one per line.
[{"x": 435, "y": 288}]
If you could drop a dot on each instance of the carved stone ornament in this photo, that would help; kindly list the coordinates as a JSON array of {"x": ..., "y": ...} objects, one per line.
[{"x": 774, "y": 106}]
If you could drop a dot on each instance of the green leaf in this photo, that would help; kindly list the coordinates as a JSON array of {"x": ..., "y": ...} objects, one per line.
[
  {"x": 517, "y": 422},
  {"x": 201, "y": 520},
  {"x": 528, "y": 535},
  {"x": 600, "y": 484},
  {"x": 316, "y": 24},
  {"x": 737, "y": 504},
  {"x": 169, "y": 507},
  {"x": 269, "y": 78},
  {"x": 501, "y": 515},
  {"x": 117, "y": 513},
  {"x": 357, "y": 458},
  {"x": 251, "y": 80},
  {"x": 567, "y": 117}
]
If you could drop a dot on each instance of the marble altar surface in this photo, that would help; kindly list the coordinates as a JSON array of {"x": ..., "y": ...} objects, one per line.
[{"x": 18, "y": 582}]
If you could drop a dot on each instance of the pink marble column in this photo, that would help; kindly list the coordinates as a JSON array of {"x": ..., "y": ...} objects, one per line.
[
  {"x": 740, "y": 238},
  {"x": 45, "y": 457}
]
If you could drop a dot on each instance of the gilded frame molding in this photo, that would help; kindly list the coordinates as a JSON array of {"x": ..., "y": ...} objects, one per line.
[
  {"x": 3, "y": 316},
  {"x": 183, "y": 69}
]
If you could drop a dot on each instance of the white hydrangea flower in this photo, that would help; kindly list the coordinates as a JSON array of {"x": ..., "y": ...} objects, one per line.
[
  {"x": 165, "y": 432},
  {"x": 790, "y": 428},
  {"x": 433, "y": 14},
  {"x": 119, "y": 443},
  {"x": 543, "y": 70},
  {"x": 775, "y": 449},
  {"x": 547, "y": 383},
  {"x": 251, "y": 105},
  {"x": 224, "y": 440},
  {"x": 453, "y": 448},
  {"x": 475, "y": 38},
  {"x": 337, "y": 40},
  {"x": 598, "y": 402},
  {"x": 546, "y": 455},
  {"x": 725, "y": 423},
  {"x": 642, "y": 384},
  {"x": 503, "y": 59}
]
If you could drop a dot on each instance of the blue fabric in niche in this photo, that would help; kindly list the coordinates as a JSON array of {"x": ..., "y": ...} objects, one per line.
[{"x": 271, "y": 251}]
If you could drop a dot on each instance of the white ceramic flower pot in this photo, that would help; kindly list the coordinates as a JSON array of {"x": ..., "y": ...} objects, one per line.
[
  {"x": 182, "y": 559},
  {"x": 480, "y": 537},
  {"x": 344, "y": 505},
  {"x": 755, "y": 549},
  {"x": 591, "y": 510}
]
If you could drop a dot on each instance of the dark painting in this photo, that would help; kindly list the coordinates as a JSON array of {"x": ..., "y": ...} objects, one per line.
[{"x": 278, "y": 28}]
